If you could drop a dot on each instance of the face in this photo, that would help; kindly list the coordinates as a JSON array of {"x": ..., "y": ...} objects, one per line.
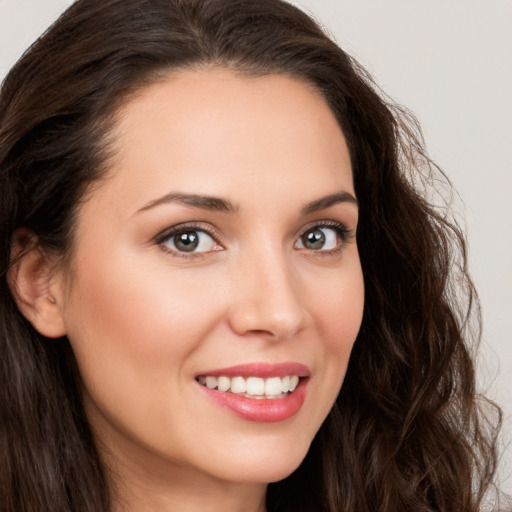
[{"x": 215, "y": 290}]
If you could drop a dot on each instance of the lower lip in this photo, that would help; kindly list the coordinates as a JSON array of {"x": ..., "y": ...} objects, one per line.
[{"x": 260, "y": 410}]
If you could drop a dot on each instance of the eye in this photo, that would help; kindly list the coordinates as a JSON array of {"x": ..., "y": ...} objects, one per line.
[
  {"x": 322, "y": 238},
  {"x": 189, "y": 240}
]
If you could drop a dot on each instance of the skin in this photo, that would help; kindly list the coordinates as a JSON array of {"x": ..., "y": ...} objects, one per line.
[{"x": 144, "y": 319}]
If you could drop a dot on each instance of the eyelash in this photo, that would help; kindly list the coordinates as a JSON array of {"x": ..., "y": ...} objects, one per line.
[
  {"x": 183, "y": 228},
  {"x": 341, "y": 231}
]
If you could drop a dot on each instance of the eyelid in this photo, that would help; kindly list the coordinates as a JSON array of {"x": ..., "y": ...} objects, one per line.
[
  {"x": 325, "y": 223},
  {"x": 341, "y": 229},
  {"x": 168, "y": 233},
  {"x": 343, "y": 232}
]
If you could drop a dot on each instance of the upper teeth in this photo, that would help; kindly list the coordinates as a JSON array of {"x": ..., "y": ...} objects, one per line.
[{"x": 272, "y": 387}]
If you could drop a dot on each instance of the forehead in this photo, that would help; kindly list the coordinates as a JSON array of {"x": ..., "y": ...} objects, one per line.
[{"x": 216, "y": 132}]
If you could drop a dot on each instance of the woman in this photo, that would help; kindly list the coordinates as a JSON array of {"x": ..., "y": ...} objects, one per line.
[{"x": 183, "y": 287}]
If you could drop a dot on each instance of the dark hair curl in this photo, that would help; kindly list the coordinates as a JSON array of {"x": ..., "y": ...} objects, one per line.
[{"x": 408, "y": 431}]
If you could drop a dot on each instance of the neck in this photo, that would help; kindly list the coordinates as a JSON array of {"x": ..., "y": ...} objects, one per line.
[
  {"x": 153, "y": 488},
  {"x": 146, "y": 497}
]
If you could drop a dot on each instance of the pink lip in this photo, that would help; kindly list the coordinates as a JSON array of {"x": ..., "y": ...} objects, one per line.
[
  {"x": 262, "y": 370},
  {"x": 260, "y": 410}
]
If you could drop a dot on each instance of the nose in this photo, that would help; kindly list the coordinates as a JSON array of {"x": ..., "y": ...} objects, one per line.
[{"x": 267, "y": 299}]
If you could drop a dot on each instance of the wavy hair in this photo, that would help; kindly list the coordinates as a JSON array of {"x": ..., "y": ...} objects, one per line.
[{"x": 408, "y": 431}]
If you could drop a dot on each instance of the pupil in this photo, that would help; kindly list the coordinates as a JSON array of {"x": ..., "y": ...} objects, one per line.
[
  {"x": 314, "y": 239},
  {"x": 186, "y": 242}
]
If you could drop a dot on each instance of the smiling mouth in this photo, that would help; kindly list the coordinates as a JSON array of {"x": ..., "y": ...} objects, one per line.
[{"x": 252, "y": 387}]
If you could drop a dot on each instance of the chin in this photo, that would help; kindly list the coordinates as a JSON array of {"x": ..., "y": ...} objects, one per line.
[{"x": 265, "y": 466}]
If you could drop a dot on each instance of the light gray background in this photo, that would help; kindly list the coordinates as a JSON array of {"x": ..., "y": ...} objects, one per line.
[{"x": 450, "y": 62}]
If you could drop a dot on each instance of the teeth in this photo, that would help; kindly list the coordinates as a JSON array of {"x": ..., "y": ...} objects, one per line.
[
  {"x": 255, "y": 386},
  {"x": 211, "y": 382},
  {"x": 252, "y": 387},
  {"x": 273, "y": 386},
  {"x": 293, "y": 382},
  {"x": 223, "y": 383},
  {"x": 238, "y": 385}
]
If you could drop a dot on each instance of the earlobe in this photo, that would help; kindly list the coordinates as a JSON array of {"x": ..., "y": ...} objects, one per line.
[{"x": 35, "y": 288}]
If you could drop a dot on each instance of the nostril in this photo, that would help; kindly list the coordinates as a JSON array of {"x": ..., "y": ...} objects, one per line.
[
  {"x": 264, "y": 322},
  {"x": 266, "y": 299}
]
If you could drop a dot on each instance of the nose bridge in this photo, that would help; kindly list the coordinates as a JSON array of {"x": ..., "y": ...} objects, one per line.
[{"x": 267, "y": 298}]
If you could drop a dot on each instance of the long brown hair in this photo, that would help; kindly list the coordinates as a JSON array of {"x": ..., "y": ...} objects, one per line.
[{"x": 408, "y": 431}]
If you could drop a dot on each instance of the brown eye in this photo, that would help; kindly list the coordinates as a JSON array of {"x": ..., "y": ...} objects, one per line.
[
  {"x": 321, "y": 238},
  {"x": 313, "y": 239},
  {"x": 189, "y": 241},
  {"x": 186, "y": 242}
]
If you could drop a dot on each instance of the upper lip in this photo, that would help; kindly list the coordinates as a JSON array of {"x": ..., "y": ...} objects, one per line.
[{"x": 260, "y": 370}]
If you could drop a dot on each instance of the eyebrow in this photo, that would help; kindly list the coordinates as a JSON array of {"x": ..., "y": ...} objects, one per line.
[
  {"x": 195, "y": 200},
  {"x": 328, "y": 201},
  {"x": 222, "y": 205}
]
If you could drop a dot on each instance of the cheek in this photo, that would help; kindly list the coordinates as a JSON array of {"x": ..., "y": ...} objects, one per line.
[
  {"x": 339, "y": 309},
  {"x": 133, "y": 326},
  {"x": 340, "y": 312},
  {"x": 135, "y": 330},
  {"x": 136, "y": 306}
]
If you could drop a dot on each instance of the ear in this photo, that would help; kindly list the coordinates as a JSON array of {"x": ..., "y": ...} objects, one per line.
[{"x": 36, "y": 286}]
